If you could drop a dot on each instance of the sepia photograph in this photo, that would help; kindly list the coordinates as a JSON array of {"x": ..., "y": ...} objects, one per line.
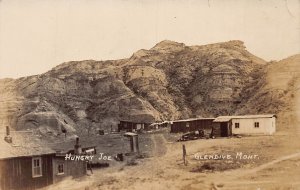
[{"x": 150, "y": 95}]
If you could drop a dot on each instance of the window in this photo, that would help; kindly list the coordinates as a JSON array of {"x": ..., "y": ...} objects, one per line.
[
  {"x": 37, "y": 167},
  {"x": 256, "y": 124},
  {"x": 60, "y": 168},
  {"x": 237, "y": 125}
]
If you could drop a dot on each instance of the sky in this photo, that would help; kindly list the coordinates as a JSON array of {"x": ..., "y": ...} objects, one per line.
[{"x": 37, "y": 35}]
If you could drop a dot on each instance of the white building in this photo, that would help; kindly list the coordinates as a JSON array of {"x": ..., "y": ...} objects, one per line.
[{"x": 246, "y": 124}]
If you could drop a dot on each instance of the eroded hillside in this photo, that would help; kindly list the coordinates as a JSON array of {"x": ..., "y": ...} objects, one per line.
[
  {"x": 169, "y": 81},
  {"x": 275, "y": 89}
]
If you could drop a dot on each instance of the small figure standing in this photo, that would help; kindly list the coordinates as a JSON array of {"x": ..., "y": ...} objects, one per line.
[{"x": 90, "y": 166}]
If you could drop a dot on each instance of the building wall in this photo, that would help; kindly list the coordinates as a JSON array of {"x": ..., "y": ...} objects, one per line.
[
  {"x": 71, "y": 168},
  {"x": 130, "y": 126},
  {"x": 146, "y": 126},
  {"x": 166, "y": 125},
  {"x": 16, "y": 173},
  {"x": 140, "y": 126},
  {"x": 127, "y": 126},
  {"x": 267, "y": 126},
  {"x": 187, "y": 126},
  {"x": 222, "y": 129}
]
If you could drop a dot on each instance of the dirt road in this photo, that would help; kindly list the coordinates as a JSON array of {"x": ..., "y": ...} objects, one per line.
[
  {"x": 243, "y": 178},
  {"x": 297, "y": 104},
  {"x": 159, "y": 145}
]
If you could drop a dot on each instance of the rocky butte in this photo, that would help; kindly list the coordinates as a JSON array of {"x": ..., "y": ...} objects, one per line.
[{"x": 169, "y": 81}]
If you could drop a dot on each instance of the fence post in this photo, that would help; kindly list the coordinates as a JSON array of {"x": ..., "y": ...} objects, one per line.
[{"x": 184, "y": 154}]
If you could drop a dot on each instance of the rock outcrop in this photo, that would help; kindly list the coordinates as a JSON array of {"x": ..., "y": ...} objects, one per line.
[{"x": 169, "y": 81}]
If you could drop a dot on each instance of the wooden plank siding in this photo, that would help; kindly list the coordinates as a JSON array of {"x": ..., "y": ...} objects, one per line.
[
  {"x": 127, "y": 126},
  {"x": 71, "y": 168},
  {"x": 130, "y": 126},
  {"x": 222, "y": 129},
  {"x": 16, "y": 173},
  {"x": 191, "y": 125}
]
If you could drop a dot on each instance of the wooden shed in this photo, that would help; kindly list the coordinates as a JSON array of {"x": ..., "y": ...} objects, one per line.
[
  {"x": 245, "y": 124},
  {"x": 192, "y": 124},
  {"x": 131, "y": 126},
  {"x": 134, "y": 142},
  {"x": 27, "y": 163},
  {"x": 24, "y": 163},
  {"x": 222, "y": 127}
]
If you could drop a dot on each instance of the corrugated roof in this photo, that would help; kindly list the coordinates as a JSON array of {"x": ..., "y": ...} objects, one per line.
[
  {"x": 23, "y": 144},
  {"x": 228, "y": 118}
]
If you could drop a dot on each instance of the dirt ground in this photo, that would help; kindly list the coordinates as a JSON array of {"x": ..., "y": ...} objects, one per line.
[{"x": 278, "y": 166}]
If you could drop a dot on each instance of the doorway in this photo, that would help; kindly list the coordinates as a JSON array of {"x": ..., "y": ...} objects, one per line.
[{"x": 224, "y": 129}]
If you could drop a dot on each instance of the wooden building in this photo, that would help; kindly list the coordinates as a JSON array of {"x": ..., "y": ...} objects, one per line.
[
  {"x": 160, "y": 125},
  {"x": 131, "y": 126},
  {"x": 244, "y": 125},
  {"x": 26, "y": 171},
  {"x": 65, "y": 168},
  {"x": 70, "y": 168},
  {"x": 222, "y": 127},
  {"x": 193, "y": 124},
  {"x": 26, "y": 163},
  {"x": 134, "y": 141}
]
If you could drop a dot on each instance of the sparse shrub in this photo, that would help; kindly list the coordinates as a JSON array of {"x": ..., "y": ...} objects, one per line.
[
  {"x": 208, "y": 166},
  {"x": 220, "y": 185},
  {"x": 216, "y": 166}
]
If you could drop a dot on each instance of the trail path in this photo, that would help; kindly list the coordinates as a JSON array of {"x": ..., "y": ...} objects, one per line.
[
  {"x": 234, "y": 179},
  {"x": 297, "y": 104},
  {"x": 243, "y": 172},
  {"x": 159, "y": 145}
]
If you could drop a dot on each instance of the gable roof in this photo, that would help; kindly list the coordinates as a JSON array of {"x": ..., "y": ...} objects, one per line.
[
  {"x": 228, "y": 118},
  {"x": 23, "y": 144}
]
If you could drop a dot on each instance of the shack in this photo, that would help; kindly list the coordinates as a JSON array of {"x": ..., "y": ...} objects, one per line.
[
  {"x": 134, "y": 142},
  {"x": 63, "y": 168},
  {"x": 24, "y": 164},
  {"x": 131, "y": 126},
  {"x": 159, "y": 125},
  {"x": 244, "y": 125},
  {"x": 222, "y": 127},
  {"x": 192, "y": 124},
  {"x": 27, "y": 163}
]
